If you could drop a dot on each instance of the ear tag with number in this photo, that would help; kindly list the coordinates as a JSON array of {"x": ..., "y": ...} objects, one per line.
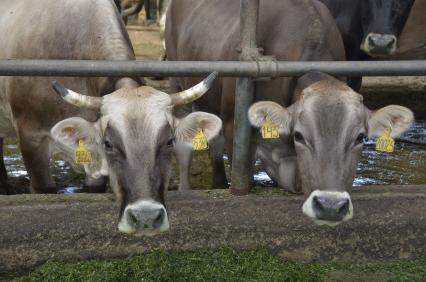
[
  {"x": 269, "y": 129},
  {"x": 200, "y": 141},
  {"x": 82, "y": 154},
  {"x": 385, "y": 143}
]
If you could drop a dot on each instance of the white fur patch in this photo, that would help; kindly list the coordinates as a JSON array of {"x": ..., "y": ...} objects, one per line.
[
  {"x": 308, "y": 210},
  {"x": 125, "y": 227}
]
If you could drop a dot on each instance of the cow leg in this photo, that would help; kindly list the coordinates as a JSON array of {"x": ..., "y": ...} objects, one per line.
[
  {"x": 93, "y": 185},
  {"x": 356, "y": 55},
  {"x": 36, "y": 155},
  {"x": 183, "y": 154},
  {"x": 4, "y": 186},
  {"x": 217, "y": 146}
]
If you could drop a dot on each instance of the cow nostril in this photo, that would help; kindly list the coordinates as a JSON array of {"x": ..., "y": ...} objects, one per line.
[
  {"x": 318, "y": 203},
  {"x": 391, "y": 43},
  {"x": 158, "y": 221},
  {"x": 342, "y": 207},
  {"x": 132, "y": 217},
  {"x": 371, "y": 41}
]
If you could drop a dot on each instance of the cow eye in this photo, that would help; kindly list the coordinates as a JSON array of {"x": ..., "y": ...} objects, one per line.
[
  {"x": 298, "y": 137},
  {"x": 360, "y": 138},
  {"x": 170, "y": 142},
  {"x": 108, "y": 145}
]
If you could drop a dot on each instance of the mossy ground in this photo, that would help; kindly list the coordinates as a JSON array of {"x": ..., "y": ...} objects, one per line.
[{"x": 223, "y": 265}]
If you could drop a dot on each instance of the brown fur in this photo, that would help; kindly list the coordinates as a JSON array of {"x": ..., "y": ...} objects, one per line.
[{"x": 55, "y": 29}]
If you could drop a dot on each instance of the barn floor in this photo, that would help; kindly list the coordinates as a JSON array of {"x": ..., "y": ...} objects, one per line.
[{"x": 389, "y": 225}]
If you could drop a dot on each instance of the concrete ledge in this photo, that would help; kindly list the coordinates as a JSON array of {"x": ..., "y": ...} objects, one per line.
[{"x": 389, "y": 223}]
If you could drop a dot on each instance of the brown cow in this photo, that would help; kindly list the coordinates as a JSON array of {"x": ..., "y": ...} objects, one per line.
[
  {"x": 132, "y": 142},
  {"x": 55, "y": 29}
]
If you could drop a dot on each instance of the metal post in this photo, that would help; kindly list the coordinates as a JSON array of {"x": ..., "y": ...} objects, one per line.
[{"x": 245, "y": 88}]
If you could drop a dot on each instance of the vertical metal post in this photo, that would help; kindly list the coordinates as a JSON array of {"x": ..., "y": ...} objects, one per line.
[{"x": 245, "y": 88}]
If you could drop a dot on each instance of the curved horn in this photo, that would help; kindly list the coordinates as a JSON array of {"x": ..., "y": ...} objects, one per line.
[
  {"x": 192, "y": 94},
  {"x": 135, "y": 9},
  {"x": 79, "y": 100}
]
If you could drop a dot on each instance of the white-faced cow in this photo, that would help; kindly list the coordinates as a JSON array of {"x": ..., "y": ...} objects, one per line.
[
  {"x": 322, "y": 122},
  {"x": 132, "y": 142},
  {"x": 55, "y": 29},
  {"x": 369, "y": 28}
]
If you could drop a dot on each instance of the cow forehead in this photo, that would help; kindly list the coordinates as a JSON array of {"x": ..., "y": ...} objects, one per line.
[
  {"x": 328, "y": 105},
  {"x": 143, "y": 108},
  {"x": 328, "y": 94}
]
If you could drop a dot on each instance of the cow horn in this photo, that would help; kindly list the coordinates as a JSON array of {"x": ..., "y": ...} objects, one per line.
[
  {"x": 79, "y": 100},
  {"x": 135, "y": 9},
  {"x": 192, "y": 94}
]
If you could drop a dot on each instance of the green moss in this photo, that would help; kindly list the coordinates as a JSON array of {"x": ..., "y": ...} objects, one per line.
[{"x": 223, "y": 265}]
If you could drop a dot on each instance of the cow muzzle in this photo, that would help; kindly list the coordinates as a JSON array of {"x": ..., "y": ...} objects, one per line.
[
  {"x": 328, "y": 207},
  {"x": 380, "y": 45},
  {"x": 147, "y": 218}
]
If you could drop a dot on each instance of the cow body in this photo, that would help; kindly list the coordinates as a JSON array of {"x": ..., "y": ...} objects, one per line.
[
  {"x": 321, "y": 121},
  {"x": 53, "y": 29},
  {"x": 369, "y": 28},
  {"x": 413, "y": 37},
  {"x": 209, "y": 31}
]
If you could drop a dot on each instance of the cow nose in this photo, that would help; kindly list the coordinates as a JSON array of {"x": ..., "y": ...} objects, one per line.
[
  {"x": 144, "y": 217},
  {"x": 381, "y": 44},
  {"x": 330, "y": 209}
]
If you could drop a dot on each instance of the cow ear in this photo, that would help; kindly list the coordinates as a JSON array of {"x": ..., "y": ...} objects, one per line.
[
  {"x": 398, "y": 118},
  {"x": 279, "y": 115},
  {"x": 187, "y": 128},
  {"x": 68, "y": 132}
]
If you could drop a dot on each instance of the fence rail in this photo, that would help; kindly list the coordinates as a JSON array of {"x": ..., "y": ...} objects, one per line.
[{"x": 201, "y": 68}]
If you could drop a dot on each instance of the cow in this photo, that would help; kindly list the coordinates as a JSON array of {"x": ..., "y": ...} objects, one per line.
[
  {"x": 369, "y": 28},
  {"x": 412, "y": 43},
  {"x": 29, "y": 107},
  {"x": 321, "y": 121},
  {"x": 132, "y": 7},
  {"x": 132, "y": 142}
]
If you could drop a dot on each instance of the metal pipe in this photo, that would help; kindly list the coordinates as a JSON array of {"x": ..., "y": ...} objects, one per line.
[
  {"x": 203, "y": 68},
  {"x": 241, "y": 176}
]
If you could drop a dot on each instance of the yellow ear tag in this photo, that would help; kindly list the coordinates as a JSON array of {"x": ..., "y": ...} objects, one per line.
[
  {"x": 200, "y": 141},
  {"x": 82, "y": 154},
  {"x": 385, "y": 143},
  {"x": 269, "y": 129}
]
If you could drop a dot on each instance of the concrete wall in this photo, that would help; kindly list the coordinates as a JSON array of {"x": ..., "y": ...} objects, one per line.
[{"x": 389, "y": 223}]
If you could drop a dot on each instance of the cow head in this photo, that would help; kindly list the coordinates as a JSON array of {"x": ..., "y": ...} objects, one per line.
[
  {"x": 321, "y": 138},
  {"x": 132, "y": 143},
  {"x": 382, "y": 22}
]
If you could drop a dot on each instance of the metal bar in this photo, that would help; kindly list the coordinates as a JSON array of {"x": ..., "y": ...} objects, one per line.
[
  {"x": 241, "y": 177},
  {"x": 202, "y": 68}
]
